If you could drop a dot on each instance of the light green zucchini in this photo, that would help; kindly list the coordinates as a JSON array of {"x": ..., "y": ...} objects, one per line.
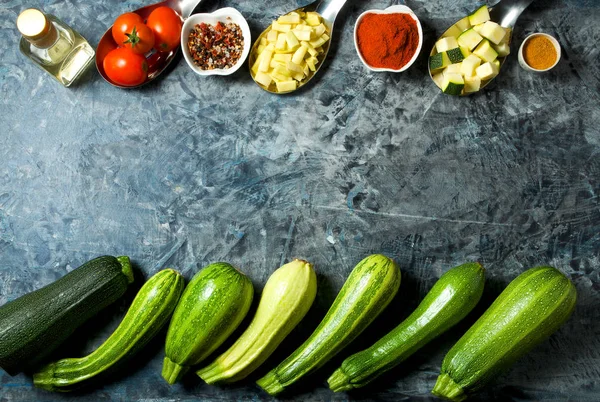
[
  {"x": 452, "y": 297},
  {"x": 212, "y": 306},
  {"x": 372, "y": 284},
  {"x": 286, "y": 298},
  {"x": 150, "y": 310},
  {"x": 528, "y": 311}
]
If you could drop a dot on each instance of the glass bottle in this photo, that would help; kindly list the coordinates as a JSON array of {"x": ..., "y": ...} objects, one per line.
[{"x": 53, "y": 46}]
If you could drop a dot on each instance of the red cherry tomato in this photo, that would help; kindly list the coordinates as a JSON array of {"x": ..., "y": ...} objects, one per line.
[
  {"x": 125, "y": 67},
  {"x": 130, "y": 31},
  {"x": 166, "y": 25}
]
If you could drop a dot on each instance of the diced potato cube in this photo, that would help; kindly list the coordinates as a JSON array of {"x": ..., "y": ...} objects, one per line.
[
  {"x": 319, "y": 49},
  {"x": 493, "y": 32},
  {"x": 292, "y": 41},
  {"x": 286, "y": 86},
  {"x": 472, "y": 84},
  {"x": 280, "y": 27},
  {"x": 265, "y": 61},
  {"x": 278, "y": 76},
  {"x": 284, "y": 57},
  {"x": 293, "y": 67},
  {"x": 302, "y": 35},
  {"x": 274, "y": 63},
  {"x": 291, "y": 18},
  {"x": 313, "y": 18},
  {"x": 281, "y": 41},
  {"x": 281, "y": 69},
  {"x": 320, "y": 30},
  {"x": 310, "y": 62},
  {"x": 446, "y": 43},
  {"x": 263, "y": 79},
  {"x": 272, "y": 36},
  {"x": 299, "y": 55},
  {"x": 260, "y": 49},
  {"x": 487, "y": 71},
  {"x": 469, "y": 64},
  {"x": 320, "y": 41},
  {"x": 306, "y": 70},
  {"x": 298, "y": 76},
  {"x": 254, "y": 68},
  {"x": 263, "y": 41}
]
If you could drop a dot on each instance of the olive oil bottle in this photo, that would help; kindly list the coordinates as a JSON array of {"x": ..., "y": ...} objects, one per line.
[{"x": 53, "y": 46}]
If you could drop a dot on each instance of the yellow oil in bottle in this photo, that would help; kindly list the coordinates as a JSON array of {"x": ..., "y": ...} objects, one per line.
[{"x": 54, "y": 46}]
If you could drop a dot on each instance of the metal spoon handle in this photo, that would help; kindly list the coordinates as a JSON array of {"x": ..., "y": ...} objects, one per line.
[
  {"x": 329, "y": 9},
  {"x": 506, "y": 12},
  {"x": 184, "y": 7}
]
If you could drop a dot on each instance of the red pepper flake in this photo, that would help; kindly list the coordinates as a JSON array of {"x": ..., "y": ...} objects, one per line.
[{"x": 216, "y": 46}]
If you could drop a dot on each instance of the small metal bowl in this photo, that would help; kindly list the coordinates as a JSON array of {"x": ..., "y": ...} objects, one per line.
[
  {"x": 526, "y": 66},
  {"x": 223, "y": 15},
  {"x": 396, "y": 9}
]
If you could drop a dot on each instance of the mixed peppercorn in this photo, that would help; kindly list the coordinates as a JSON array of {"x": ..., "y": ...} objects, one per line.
[{"x": 216, "y": 46}]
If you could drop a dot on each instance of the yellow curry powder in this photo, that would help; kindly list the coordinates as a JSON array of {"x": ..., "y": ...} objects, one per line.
[{"x": 539, "y": 53}]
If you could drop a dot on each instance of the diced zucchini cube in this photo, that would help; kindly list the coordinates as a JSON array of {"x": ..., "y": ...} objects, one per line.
[
  {"x": 477, "y": 28},
  {"x": 485, "y": 51},
  {"x": 286, "y": 86},
  {"x": 503, "y": 49},
  {"x": 458, "y": 54},
  {"x": 463, "y": 24},
  {"x": 263, "y": 79},
  {"x": 469, "y": 39},
  {"x": 453, "y": 68},
  {"x": 438, "y": 79},
  {"x": 487, "y": 71},
  {"x": 453, "y": 84},
  {"x": 472, "y": 84},
  {"x": 438, "y": 61},
  {"x": 506, "y": 38},
  {"x": 493, "y": 32},
  {"x": 446, "y": 43},
  {"x": 497, "y": 63},
  {"x": 480, "y": 16},
  {"x": 453, "y": 31},
  {"x": 469, "y": 64}
]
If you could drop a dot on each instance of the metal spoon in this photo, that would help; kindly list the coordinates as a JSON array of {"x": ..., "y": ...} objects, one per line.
[
  {"x": 328, "y": 9},
  {"x": 505, "y": 13},
  {"x": 158, "y": 61}
]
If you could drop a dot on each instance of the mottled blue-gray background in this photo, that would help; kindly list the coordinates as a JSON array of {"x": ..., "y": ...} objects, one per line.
[{"x": 190, "y": 170}]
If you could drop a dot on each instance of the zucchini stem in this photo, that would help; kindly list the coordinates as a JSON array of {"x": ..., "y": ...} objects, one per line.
[
  {"x": 339, "y": 381},
  {"x": 271, "y": 384},
  {"x": 172, "y": 372},
  {"x": 445, "y": 387},
  {"x": 126, "y": 267}
]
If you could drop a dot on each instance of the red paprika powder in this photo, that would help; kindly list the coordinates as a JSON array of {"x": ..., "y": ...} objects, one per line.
[{"x": 387, "y": 40}]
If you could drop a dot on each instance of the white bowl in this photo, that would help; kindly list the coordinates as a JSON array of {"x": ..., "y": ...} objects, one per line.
[
  {"x": 526, "y": 66},
  {"x": 397, "y": 9},
  {"x": 224, "y": 15}
]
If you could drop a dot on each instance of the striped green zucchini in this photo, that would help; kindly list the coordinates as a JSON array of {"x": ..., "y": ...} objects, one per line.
[
  {"x": 285, "y": 300},
  {"x": 528, "y": 311},
  {"x": 372, "y": 284},
  {"x": 452, "y": 297},
  {"x": 150, "y": 310},
  {"x": 212, "y": 306}
]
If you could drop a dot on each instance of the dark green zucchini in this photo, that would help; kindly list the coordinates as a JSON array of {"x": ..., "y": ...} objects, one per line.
[
  {"x": 372, "y": 284},
  {"x": 528, "y": 311},
  {"x": 34, "y": 325},
  {"x": 148, "y": 313},
  {"x": 452, "y": 297}
]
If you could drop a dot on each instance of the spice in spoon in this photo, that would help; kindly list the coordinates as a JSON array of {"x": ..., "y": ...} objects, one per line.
[
  {"x": 387, "y": 40},
  {"x": 539, "y": 53}
]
